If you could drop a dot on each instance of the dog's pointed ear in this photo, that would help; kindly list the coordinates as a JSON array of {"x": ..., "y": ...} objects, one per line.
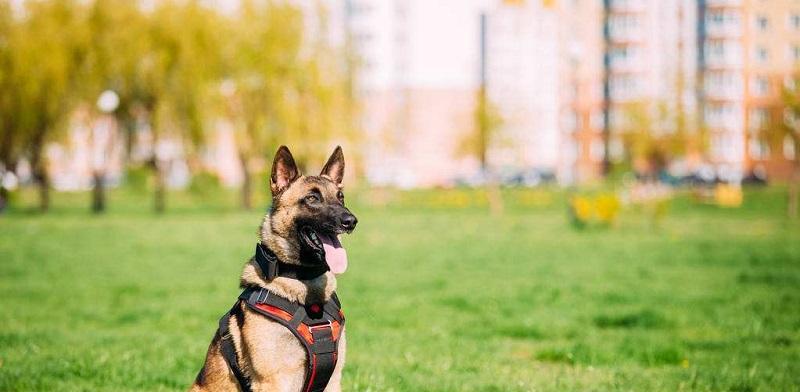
[
  {"x": 284, "y": 171},
  {"x": 334, "y": 169}
]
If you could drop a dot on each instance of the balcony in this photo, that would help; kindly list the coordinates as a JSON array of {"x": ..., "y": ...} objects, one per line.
[
  {"x": 723, "y": 92},
  {"x": 723, "y": 30},
  {"x": 724, "y": 62},
  {"x": 723, "y": 55},
  {"x": 723, "y": 3},
  {"x": 622, "y": 65},
  {"x": 627, "y": 6},
  {"x": 724, "y": 117},
  {"x": 625, "y": 34}
]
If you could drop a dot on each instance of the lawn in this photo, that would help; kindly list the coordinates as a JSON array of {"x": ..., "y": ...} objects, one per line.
[{"x": 440, "y": 296}]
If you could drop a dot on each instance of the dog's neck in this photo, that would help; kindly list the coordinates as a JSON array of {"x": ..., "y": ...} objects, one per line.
[{"x": 317, "y": 290}]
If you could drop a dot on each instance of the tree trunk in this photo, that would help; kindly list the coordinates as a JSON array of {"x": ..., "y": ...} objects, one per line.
[
  {"x": 3, "y": 199},
  {"x": 247, "y": 185},
  {"x": 495, "y": 198},
  {"x": 793, "y": 190},
  {"x": 43, "y": 180},
  {"x": 160, "y": 194},
  {"x": 493, "y": 195},
  {"x": 39, "y": 170},
  {"x": 99, "y": 193}
]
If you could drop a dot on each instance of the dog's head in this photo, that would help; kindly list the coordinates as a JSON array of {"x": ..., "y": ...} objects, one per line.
[{"x": 308, "y": 212}]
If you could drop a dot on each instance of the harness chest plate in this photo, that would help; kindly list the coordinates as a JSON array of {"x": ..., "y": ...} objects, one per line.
[{"x": 318, "y": 327}]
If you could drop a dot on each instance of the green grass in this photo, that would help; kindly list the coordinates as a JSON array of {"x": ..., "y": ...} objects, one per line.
[{"x": 438, "y": 298}]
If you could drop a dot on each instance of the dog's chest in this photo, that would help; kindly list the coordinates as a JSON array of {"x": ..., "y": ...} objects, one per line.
[{"x": 275, "y": 353}]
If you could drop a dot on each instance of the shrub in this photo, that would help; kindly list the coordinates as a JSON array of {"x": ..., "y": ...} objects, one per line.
[
  {"x": 204, "y": 184},
  {"x": 136, "y": 179},
  {"x": 599, "y": 210}
]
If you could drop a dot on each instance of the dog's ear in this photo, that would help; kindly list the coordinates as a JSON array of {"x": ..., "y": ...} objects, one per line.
[
  {"x": 284, "y": 171},
  {"x": 334, "y": 169}
]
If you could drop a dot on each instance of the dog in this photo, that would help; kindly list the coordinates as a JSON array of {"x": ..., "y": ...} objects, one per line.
[{"x": 299, "y": 236}]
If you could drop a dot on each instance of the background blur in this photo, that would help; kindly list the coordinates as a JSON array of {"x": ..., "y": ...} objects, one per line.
[{"x": 553, "y": 194}]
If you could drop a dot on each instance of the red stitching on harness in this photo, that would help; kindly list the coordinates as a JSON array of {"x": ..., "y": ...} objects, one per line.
[{"x": 313, "y": 372}]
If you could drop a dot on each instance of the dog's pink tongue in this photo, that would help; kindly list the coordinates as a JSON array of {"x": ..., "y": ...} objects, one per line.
[{"x": 335, "y": 255}]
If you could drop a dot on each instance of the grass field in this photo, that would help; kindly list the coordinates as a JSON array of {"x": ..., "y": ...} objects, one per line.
[{"x": 438, "y": 298}]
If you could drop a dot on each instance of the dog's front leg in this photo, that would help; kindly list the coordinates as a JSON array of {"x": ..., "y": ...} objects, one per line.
[{"x": 335, "y": 383}]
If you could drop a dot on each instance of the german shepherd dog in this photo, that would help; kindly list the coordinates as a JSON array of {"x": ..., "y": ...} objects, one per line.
[{"x": 307, "y": 215}]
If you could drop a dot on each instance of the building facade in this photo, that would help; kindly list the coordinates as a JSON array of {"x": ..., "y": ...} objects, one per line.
[{"x": 418, "y": 76}]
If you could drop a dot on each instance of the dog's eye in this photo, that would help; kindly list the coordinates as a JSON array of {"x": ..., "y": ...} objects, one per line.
[
  {"x": 340, "y": 195},
  {"x": 312, "y": 198}
]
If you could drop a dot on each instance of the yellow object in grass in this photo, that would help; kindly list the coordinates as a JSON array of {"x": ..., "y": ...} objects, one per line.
[
  {"x": 581, "y": 208},
  {"x": 606, "y": 208},
  {"x": 602, "y": 209},
  {"x": 726, "y": 195}
]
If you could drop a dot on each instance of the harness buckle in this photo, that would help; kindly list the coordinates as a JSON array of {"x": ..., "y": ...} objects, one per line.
[
  {"x": 261, "y": 296},
  {"x": 326, "y": 323},
  {"x": 322, "y": 335}
]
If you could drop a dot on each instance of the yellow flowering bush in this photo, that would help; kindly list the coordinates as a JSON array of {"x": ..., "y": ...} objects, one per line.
[
  {"x": 607, "y": 208},
  {"x": 726, "y": 195},
  {"x": 601, "y": 209}
]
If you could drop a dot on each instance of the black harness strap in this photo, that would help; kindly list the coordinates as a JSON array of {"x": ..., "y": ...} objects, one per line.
[{"x": 228, "y": 349}]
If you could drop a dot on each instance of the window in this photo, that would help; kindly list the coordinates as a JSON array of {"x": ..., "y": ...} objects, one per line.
[
  {"x": 794, "y": 52},
  {"x": 759, "y": 118},
  {"x": 721, "y": 18},
  {"x": 758, "y": 148},
  {"x": 788, "y": 148},
  {"x": 760, "y": 85},
  {"x": 723, "y": 115},
  {"x": 622, "y": 55},
  {"x": 794, "y": 21},
  {"x": 762, "y": 23},
  {"x": 596, "y": 150},
  {"x": 762, "y": 54},
  {"x": 623, "y": 86},
  {"x": 715, "y": 49},
  {"x": 597, "y": 120},
  {"x": 623, "y": 24}
]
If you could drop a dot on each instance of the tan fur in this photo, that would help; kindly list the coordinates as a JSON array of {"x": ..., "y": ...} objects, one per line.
[{"x": 269, "y": 353}]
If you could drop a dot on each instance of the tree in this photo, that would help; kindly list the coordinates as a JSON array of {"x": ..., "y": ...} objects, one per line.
[
  {"x": 259, "y": 65},
  {"x": 283, "y": 84},
  {"x": 10, "y": 134},
  {"x": 110, "y": 67},
  {"x": 171, "y": 80},
  {"x": 653, "y": 134},
  {"x": 789, "y": 128},
  {"x": 44, "y": 51},
  {"x": 486, "y": 124}
]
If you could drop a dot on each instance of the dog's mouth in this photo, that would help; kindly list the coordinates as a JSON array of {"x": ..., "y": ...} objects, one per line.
[{"x": 328, "y": 244}]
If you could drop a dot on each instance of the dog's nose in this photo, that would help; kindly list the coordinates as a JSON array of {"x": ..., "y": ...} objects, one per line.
[{"x": 349, "y": 222}]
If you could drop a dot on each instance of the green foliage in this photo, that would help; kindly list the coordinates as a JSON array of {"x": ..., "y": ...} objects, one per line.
[
  {"x": 486, "y": 123},
  {"x": 136, "y": 179},
  {"x": 204, "y": 184},
  {"x": 653, "y": 134},
  {"x": 167, "y": 64},
  {"x": 39, "y": 63}
]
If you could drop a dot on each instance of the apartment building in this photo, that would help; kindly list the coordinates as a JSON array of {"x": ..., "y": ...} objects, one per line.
[
  {"x": 418, "y": 78},
  {"x": 650, "y": 62},
  {"x": 523, "y": 79},
  {"x": 581, "y": 92},
  {"x": 544, "y": 73},
  {"x": 771, "y": 56}
]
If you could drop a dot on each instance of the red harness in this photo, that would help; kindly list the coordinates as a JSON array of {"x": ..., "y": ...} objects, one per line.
[{"x": 317, "y": 326}]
